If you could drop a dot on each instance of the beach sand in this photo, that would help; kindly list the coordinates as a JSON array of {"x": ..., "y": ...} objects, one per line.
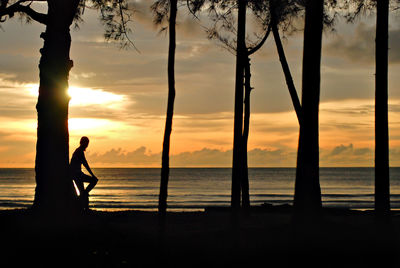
[{"x": 268, "y": 237}]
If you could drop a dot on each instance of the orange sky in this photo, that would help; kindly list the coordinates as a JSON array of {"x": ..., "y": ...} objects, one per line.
[{"x": 119, "y": 97}]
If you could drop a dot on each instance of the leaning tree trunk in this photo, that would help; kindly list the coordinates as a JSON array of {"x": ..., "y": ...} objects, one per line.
[
  {"x": 246, "y": 127},
  {"x": 54, "y": 189},
  {"x": 307, "y": 188},
  {"x": 382, "y": 185},
  {"x": 238, "y": 117},
  {"x": 162, "y": 202},
  {"x": 286, "y": 72}
]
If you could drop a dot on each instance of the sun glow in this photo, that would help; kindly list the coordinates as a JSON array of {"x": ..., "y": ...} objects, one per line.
[
  {"x": 81, "y": 96},
  {"x": 84, "y": 96},
  {"x": 93, "y": 124}
]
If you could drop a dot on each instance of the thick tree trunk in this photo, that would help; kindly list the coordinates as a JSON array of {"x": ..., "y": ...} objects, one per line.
[
  {"x": 162, "y": 203},
  {"x": 54, "y": 189},
  {"x": 382, "y": 185},
  {"x": 238, "y": 117},
  {"x": 287, "y": 73},
  {"x": 307, "y": 187},
  {"x": 246, "y": 127}
]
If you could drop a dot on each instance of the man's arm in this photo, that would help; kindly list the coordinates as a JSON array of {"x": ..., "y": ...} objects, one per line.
[{"x": 86, "y": 165}]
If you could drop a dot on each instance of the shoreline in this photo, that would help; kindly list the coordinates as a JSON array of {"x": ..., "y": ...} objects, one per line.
[{"x": 263, "y": 207}]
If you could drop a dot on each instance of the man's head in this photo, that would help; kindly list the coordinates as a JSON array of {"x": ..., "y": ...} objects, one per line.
[{"x": 84, "y": 142}]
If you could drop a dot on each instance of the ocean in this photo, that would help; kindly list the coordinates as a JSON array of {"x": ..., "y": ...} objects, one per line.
[{"x": 192, "y": 189}]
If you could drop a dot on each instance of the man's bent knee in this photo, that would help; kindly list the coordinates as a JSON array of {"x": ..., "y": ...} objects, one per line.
[{"x": 94, "y": 180}]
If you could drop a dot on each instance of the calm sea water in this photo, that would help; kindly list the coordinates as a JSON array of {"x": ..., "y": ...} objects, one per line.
[{"x": 196, "y": 188}]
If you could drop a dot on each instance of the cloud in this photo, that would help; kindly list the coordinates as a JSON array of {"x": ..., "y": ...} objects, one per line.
[
  {"x": 359, "y": 110},
  {"x": 83, "y": 75},
  {"x": 338, "y": 156},
  {"x": 359, "y": 46},
  {"x": 341, "y": 149},
  {"x": 139, "y": 157},
  {"x": 349, "y": 155},
  {"x": 205, "y": 157},
  {"x": 346, "y": 155}
]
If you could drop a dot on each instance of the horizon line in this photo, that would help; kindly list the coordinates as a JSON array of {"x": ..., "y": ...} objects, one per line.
[{"x": 193, "y": 167}]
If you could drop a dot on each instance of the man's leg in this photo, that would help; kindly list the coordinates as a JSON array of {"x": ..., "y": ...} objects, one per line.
[{"x": 91, "y": 180}]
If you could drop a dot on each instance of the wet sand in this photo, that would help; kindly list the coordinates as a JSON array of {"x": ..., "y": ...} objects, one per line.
[{"x": 214, "y": 238}]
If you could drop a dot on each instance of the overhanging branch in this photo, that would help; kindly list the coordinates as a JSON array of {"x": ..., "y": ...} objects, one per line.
[
  {"x": 259, "y": 45},
  {"x": 18, "y": 7}
]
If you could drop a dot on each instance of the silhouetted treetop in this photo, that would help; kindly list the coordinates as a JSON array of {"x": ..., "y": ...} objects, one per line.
[
  {"x": 161, "y": 11},
  {"x": 223, "y": 21},
  {"x": 286, "y": 15},
  {"x": 353, "y": 9},
  {"x": 115, "y": 15}
]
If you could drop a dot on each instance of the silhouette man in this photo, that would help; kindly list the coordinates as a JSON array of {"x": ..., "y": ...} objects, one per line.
[{"x": 78, "y": 159}]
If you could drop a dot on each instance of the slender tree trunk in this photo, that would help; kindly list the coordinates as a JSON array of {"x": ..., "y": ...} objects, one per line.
[
  {"x": 54, "y": 189},
  {"x": 238, "y": 117},
  {"x": 307, "y": 188},
  {"x": 246, "y": 127},
  {"x": 162, "y": 203},
  {"x": 286, "y": 71},
  {"x": 244, "y": 185},
  {"x": 382, "y": 185}
]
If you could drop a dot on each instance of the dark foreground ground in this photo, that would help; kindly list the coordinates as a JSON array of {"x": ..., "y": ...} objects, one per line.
[{"x": 267, "y": 238}]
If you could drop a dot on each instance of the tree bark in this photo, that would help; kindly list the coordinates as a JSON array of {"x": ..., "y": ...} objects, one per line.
[
  {"x": 162, "y": 203},
  {"x": 238, "y": 117},
  {"x": 307, "y": 187},
  {"x": 54, "y": 189},
  {"x": 382, "y": 184}
]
